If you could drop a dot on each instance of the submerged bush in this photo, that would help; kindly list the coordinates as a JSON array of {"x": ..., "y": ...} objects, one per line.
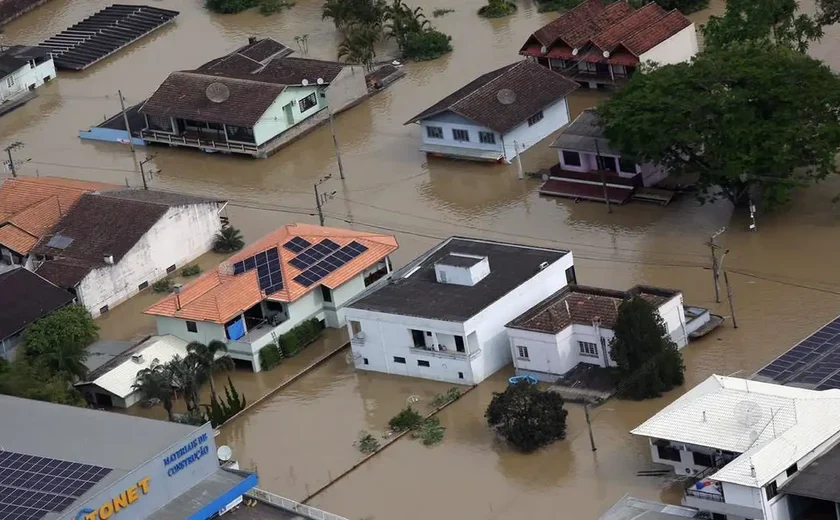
[
  {"x": 429, "y": 432},
  {"x": 426, "y": 45},
  {"x": 270, "y": 356},
  {"x": 367, "y": 443},
  {"x": 497, "y": 9},
  {"x": 162, "y": 286},
  {"x": 407, "y": 419}
]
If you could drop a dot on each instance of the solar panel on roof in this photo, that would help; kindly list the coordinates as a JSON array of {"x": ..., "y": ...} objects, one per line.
[
  {"x": 813, "y": 361},
  {"x": 297, "y": 244},
  {"x": 31, "y": 486},
  {"x": 314, "y": 254},
  {"x": 238, "y": 268},
  {"x": 59, "y": 241}
]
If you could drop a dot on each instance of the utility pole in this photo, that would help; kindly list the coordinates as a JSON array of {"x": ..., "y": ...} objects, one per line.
[
  {"x": 519, "y": 171},
  {"x": 14, "y": 146},
  {"x": 729, "y": 297},
  {"x": 125, "y": 118},
  {"x": 143, "y": 172},
  {"x": 603, "y": 175},
  {"x": 335, "y": 144},
  {"x": 320, "y": 199},
  {"x": 589, "y": 425},
  {"x": 715, "y": 267}
]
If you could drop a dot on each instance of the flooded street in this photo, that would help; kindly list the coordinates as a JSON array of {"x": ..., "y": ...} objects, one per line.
[{"x": 784, "y": 276}]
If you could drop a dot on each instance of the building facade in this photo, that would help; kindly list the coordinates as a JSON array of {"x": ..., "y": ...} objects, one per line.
[
  {"x": 23, "y": 69},
  {"x": 442, "y": 316}
]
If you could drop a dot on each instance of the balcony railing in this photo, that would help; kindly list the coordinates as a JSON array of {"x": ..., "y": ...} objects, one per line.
[
  {"x": 229, "y": 146},
  {"x": 448, "y": 354},
  {"x": 705, "y": 495},
  {"x": 357, "y": 340}
]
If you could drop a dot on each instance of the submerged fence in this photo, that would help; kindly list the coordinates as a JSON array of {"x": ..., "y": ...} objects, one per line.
[{"x": 288, "y": 504}]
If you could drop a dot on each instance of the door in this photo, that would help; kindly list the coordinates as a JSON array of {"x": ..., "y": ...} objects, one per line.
[{"x": 290, "y": 118}]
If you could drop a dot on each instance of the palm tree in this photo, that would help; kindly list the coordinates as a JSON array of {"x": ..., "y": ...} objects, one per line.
[
  {"x": 228, "y": 240},
  {"x": 210, "y": 357},
  {"x": 187, "y": 377},
  {"x": 156, "y": 382},
  {"x": 65, "y": 357},
  {"x": 403, "y": 21},
  {"x": 357, "y": 46}
]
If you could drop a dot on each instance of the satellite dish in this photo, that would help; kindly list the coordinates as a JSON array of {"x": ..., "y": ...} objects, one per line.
[
  {"x": 606, "y": 54},
  {"x": 304, "y": 82},
  {"x": 543, "y": 49},
  {"x": 575, "y": 52},
  {"x": 224, "y": 453},
  {"x": 506, "y": 96},
  {"x": 217, "y": 92},
  {"x": 748, "y": 413},
  {"x": 319, "y": 81}
]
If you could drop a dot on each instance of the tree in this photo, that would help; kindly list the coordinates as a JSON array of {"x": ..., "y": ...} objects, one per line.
[
  {"x": 749, "y": 120},
  {"x": 683, "y": 6},
  {"x": 220, "y": 410},
  {"x": 210, "y": 358},
  {"x": 22, "y": 379},
  {"x": 647, "y": 358},
  {"x": 497, "y": 9},
  {"x": 358, "y": 44},
  {"x": 401, "y": 21},
  {"x": 529, "y": 418},
  {"x": 228, "y": 240},
  {"x": 156, "y": 383},
  {"x": 187, "y": 375},
  {"x": 347, "y": 12},
  {"x": 59, "y": 341},
  {"x": 768, "y": 21}
]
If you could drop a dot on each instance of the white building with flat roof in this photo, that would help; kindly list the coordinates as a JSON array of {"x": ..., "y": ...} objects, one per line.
[{"x": 443, "y": 315}]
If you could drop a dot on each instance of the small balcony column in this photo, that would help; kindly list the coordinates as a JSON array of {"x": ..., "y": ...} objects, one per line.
[
  {"x": 224, "y": 128},
  {"x": 612, "y": 74},
  {"x": 435, "y": 344}
]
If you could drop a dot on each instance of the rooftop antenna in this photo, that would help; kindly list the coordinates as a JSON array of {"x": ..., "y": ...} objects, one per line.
[
  {"x": 506, "y": 96},
  {"x": 217, "y": 92}
]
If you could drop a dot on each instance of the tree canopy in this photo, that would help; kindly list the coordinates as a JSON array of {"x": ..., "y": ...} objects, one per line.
[
  {"x": 58, "y": 342},
  {"x": 527, "y": 417},
  {"x": 770, "y": 21},
  {"x": 647, "y": 358},
  {"x": 749, "y": 120}
]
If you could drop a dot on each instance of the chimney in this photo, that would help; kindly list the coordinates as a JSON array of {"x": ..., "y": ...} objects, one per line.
[
  {"x": 108, "y": 259},
  {"x": 177, "y": 291},
  {"x": 252, "y": 40},
  {"x": 461, "y": 269}
]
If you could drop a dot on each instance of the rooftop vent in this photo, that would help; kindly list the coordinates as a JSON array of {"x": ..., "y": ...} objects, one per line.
[
  {"x": 461, "y": 269},
  {"x": 108, "y": 259},
  {"x": 137, "y": 358}
]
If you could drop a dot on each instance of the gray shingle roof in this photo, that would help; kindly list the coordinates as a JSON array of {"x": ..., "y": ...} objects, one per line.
[
  {"x": 25, "y": 297},
  {"x": 534, "y": 86},
  {"x": 583, "y": 134}
]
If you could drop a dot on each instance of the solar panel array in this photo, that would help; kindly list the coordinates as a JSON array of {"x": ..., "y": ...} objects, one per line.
[
  {"x": 314, "y": 253},
  {"x": 297, "y": 244},
  {"x": 330, "y": 263},
  {"x": 267, "y": 264},
  {"x": 813, "y": 361},
  {"x": 31, "y": 486}
]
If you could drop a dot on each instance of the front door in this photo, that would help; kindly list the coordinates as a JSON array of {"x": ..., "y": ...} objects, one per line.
[{"x": 290, "y": 118}]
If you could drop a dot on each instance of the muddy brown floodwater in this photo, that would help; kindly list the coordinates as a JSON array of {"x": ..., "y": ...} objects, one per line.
[{"x": 784, "y": 275}]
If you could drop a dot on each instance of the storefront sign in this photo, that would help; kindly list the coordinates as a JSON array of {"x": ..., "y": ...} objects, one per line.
[
  {"x": 186, "y": 455},
  {"x": 116, "y": 504}
]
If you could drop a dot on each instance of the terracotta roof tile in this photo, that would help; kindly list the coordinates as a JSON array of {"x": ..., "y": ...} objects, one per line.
[
  {"x": 38, "y": 218},
  {"x": 17, "y": 239},
  {"x": 219, "y": 295},
  {"x": 609, "y": 38},
  {"x": 574, "y": 21},
  {"x": 656, "y": 33}
]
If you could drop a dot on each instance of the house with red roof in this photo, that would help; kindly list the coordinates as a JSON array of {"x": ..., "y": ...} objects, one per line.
[
  {"x": 603, "y": 45},
  {"x": 289, "y": 276}
]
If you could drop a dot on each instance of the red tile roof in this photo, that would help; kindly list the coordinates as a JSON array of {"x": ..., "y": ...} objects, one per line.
[
  {"x": 605, "y": 28},
  {"x": 218, "y": 296}
]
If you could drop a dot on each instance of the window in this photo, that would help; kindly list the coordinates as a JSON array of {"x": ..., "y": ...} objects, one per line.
[
  {"x": 422, "y": 363},
  {"x": 460, "y": 375},
  {"x": 170, "y": 269},
  {"x": 588, "y": 349},
  {"x": 626, "y": 165},
  {"x": 571, "y": 158},
  {"x": 606, "y": 163},
  {"x": 326, "y": 293},
  {"x": 307, "y": 102},
  {"x": 429, "y": 333},
  {"x": 718, "y": 516},
  {"x": 418, "y": 338},
  {"x": 771, "y": 490},
  {"x": 356, "y": 327},
  {"x": 365, "y": 361},
  {"x": 791, "y": 470},
  {"x": 323, "y": 95},
  {"x": 536, "y": 118},
  {"x": 192, "y": 326},
  {"x": 459, "y": 344},
  {"x": 103, "y": 309},
  {"x": 10, "y": 81},
  {"x": 400, "y": 360},
  {"x": 487, "y": 137},
  {"x": 460, "y": 135},
  {"x": 434, "y": 132},
  {"x": 143, "y": 286},
  {"x": 522, "y": 352},
  {"x": 571, "y": 277},
  {"x": 701, "y": 459},
  {"x": 668, "y": 453}
]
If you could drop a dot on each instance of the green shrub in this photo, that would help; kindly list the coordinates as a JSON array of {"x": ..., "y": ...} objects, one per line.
[
  {"x": 367, "y": 443},
  {"x": 270, "y": 356},
  {"x": 430, "y": 431},
  {"x": 497, "y": 9},
  {"x": 191, "y": 270},
  {"x": 162, "y": 286},
  {"x": 426, "y": 45},
  {"x": 229, "y": 6},
  {"x": 545, "y": 6},
  {"x": 442, "y": 12},
  {"x": 407, "y": 419},
  {"x": 299, "y": 337},
  {"x": 269, "y": 7},
  {"x": 440, "y": 400},
  {"x": 220, "y": 410}
]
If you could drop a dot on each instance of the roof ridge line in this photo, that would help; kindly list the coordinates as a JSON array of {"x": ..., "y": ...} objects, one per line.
[
  {"x": 635, "y": 11},
  {"x": 502, "y": 73},
  {"x": 645, "y": 27}
]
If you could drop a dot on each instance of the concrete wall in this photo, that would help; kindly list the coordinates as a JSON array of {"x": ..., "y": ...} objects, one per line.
[
  {"x": 678, "y": 48},
  {"x": 26, "y": 77},
  {"x": 651, "y": 174},
  {"x": 180, "y": 236},
  {"x": 111, "y": 135},
  {"x": 448, "y": 122},
  {"x": 206, "y": 331},
  {"x": 347, "y": 88},
  {"x": 273, "y": 122},
  {"x": 334, "y": 312},
  {"x": 742, "y": 495},
  {"x": 555, "y": 116}
]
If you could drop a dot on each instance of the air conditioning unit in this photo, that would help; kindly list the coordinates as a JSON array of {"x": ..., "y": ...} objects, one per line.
[{"x": 137, "y": 358}]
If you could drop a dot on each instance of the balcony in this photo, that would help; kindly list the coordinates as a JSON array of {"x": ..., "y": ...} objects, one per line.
[
  {"x": 446, "y": 354},
  {"x": 191, "y": 139},
  {"x": 358, "y": 339},
  {"x": 712, "y": 498}
]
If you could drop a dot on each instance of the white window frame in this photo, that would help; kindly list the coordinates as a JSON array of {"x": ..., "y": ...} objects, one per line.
[
  {"x": 10, "y": 81},
  {"x": 487, "y": 137},
  {"x": 522, "y": 352},
  {"x": 466, "y": 134},
  {"x": 536, "y": 118},
  {"x": 437, "y": 130},
  {"x": 587, "y": 348}
]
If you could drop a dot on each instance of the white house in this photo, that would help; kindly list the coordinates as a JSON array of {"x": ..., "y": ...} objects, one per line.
[
  {"x": 498, "y": 115},
  {"x": 291, "y": 275},
  {"x": 743, "y": 445},
  {"x": 113, "y": 244},
  {"x": 604, "y": 45},
  {"x": 112, "y": 383},
  {"x": 251, "y": 101},
  {"x": 574, "y": 325},
  {"x": 443, "y": 315},
  {"x": 23, "y": 69}
]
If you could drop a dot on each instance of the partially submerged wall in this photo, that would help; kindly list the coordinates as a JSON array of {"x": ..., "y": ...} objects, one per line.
[{"x": 11, "y": 9}]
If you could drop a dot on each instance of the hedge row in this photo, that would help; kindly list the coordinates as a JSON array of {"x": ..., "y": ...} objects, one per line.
[{"x": 290, "y": 343}]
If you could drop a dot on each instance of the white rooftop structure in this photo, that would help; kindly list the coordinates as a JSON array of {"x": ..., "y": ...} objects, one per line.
[{"x": 771, "y": 426}]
